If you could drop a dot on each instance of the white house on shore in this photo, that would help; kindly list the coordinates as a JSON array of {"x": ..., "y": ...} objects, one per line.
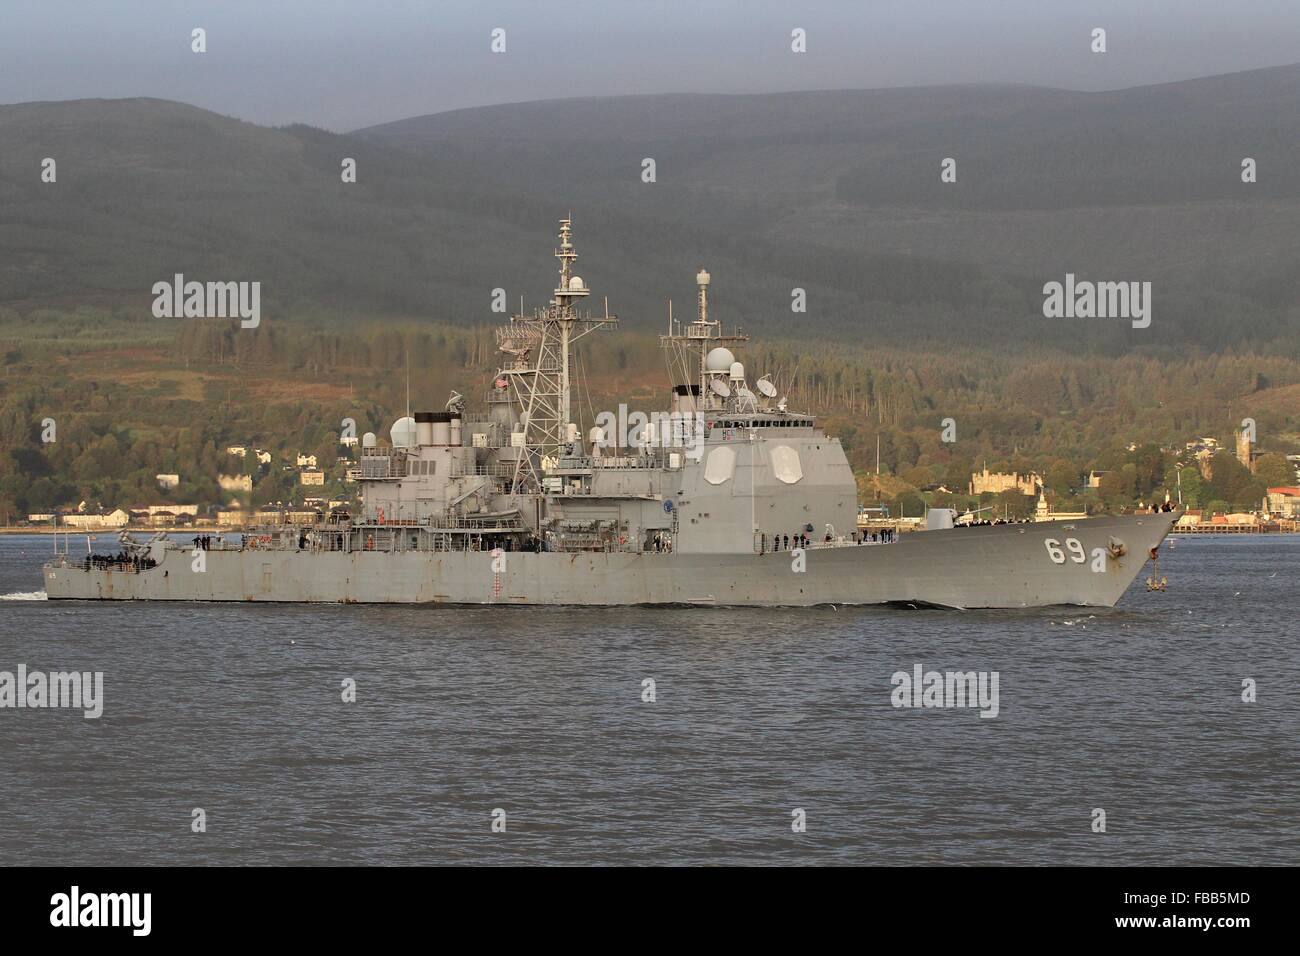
[{"x": 91, "y": 522}]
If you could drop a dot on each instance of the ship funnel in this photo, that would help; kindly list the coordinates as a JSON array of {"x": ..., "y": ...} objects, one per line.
[
  {"x": 434, "y": 428},
  {"x": 424, "y": 428}
]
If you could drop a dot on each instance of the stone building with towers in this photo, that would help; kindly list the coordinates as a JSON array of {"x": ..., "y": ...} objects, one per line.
[
  {"x": 998, "y": 482},
  {"x": 1246, "y": 453}
]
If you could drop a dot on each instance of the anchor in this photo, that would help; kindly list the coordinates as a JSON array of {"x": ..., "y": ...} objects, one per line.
[{"x": 1156, "y": 581}]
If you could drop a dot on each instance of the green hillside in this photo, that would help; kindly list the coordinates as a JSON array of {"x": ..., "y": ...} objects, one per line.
[
  {"x": 837, "y": 193},
  {"x": 924, "y": 298}
]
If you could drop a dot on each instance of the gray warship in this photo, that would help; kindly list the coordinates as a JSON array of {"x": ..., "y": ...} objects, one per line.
[{"x": 726, "y": 498}]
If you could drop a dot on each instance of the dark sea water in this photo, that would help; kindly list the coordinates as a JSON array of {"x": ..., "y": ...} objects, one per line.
[{"x": 237, "y": 709}]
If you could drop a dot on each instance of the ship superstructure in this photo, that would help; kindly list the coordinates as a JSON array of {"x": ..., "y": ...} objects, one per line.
[
  {"x": 705, "y": 475},
  {"x": 724, "y": 497}
]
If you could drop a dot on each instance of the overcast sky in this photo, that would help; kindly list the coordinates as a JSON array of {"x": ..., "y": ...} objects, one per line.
[{"x": 343, "y": 65}]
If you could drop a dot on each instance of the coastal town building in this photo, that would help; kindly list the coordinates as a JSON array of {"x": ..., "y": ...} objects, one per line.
[
  {"x": 92, "y": 522},
  {"x": 167, "y": 482},
  {"x": 160, "y": 518},
  {"x": 191, "y": 510},
  {"x": 313, "y": 477},
  {"x": 998, "y": 482},
  {"x": 1205, "y": 463},
  {"x": 1284, "y": 502},
  {"x": 235, "y": 482},
  {"x": 1246, "y": 450}
]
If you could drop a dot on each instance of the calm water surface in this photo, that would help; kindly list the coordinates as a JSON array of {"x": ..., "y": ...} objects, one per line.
[{"x": 237, "y": 709}]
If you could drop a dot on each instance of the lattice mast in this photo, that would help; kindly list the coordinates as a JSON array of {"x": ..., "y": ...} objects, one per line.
[
  {"x": 689, "y": 345},
  {"x": 537, "y": 369}
]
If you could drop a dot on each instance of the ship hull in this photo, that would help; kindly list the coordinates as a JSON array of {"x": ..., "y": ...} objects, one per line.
[{"x": 998, "y": 566}]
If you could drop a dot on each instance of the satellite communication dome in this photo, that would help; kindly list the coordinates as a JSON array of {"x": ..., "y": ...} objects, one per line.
[
  {"x": 576, "y": 284},
  {"x": 403, "y": 433},
  {"x": 719, "y": 360},
  {"x": 737, "y": 372},
  {"x": 368, "y": 440}
]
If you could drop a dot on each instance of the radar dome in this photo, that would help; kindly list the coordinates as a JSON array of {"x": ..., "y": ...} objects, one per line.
[
  {"x": 576, "y": 284},
  {"x": 737, "y": 372},
  {"x": 368, "y": 440},
  {"x": 719, "y": 360},
  {"x": 403, "y": 433}
]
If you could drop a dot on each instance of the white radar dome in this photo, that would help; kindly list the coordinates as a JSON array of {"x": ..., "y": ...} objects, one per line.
[
  {"x": 737, "y": 372},
  {"x": 576, "y": 284},
  {"x": 403, "y": 433},
  {"x": 719, "y": 360},
  {"x": 368, "y": 440}
]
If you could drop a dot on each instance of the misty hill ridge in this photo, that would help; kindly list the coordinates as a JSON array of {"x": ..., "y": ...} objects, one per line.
[
  {"x": 657, "y": 116},
  {"x": 836, "y": 192}
]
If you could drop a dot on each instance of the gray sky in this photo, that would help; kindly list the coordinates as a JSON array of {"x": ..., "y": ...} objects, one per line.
[{"x": 343, "y": 64}]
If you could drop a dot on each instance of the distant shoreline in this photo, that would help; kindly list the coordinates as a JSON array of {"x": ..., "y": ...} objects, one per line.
[
  {"x": 74, "y": 532},
  {"x": 214, "y": 529}
]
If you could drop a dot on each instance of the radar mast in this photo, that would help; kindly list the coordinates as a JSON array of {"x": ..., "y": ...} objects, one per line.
[
  {"x": 689, "y": 347},
  {"x": 536, "y": 371}
]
